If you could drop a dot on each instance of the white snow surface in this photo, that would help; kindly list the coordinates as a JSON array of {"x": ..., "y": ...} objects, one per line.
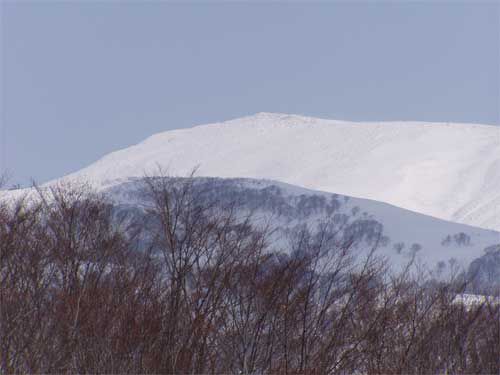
[{"x": 445, "y": 170}]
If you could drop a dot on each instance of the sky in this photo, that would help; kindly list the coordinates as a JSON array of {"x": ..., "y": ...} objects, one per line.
[{"x": 82, "y": 79}]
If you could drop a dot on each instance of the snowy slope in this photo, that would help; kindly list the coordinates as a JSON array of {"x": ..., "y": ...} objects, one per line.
[
  {"x": 449, "y": 171},
  {"x": 286, "y": 207}
]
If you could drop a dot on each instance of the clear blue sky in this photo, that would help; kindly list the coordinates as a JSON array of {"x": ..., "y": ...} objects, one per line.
[{"x": 81, "y": 79}]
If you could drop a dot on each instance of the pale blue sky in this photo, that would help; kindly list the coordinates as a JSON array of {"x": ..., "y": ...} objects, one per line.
[{"x": 80, "y": 80}]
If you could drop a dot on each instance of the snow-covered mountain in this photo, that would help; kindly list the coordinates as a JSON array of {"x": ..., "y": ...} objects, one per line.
[
  {"x": 431, "y": 189},
  {"x": 449, "y": 171}
]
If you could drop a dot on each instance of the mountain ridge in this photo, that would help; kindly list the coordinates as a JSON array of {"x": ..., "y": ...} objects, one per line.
[
  {"x": 445, "y": 170},
  {"x": 395, "y": 158}
]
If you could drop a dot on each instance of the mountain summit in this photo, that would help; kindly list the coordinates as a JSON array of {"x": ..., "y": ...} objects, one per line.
[{"x": 446, "y": 170}]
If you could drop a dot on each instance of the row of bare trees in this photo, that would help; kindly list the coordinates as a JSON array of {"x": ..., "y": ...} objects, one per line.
[{"x": 188, "y": 288}]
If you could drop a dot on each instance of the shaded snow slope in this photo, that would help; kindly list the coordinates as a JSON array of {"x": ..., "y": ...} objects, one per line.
[
  {"x": 436, "y": 243},
  {"x": 449, "y": 171}
]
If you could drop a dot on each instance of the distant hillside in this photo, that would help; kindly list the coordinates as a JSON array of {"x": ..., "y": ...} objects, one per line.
[{"x": 397, "y": 233}]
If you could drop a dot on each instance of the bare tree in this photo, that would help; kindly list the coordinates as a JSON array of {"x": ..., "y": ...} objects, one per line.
[{"x": 186, "y": 284}]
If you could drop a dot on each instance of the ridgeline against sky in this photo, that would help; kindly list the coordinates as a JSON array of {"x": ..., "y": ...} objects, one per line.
[{"x": 82, "y": 79}]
